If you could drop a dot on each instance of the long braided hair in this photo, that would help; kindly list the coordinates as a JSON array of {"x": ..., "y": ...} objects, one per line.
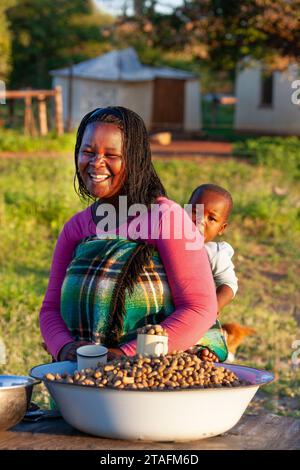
[{"x": 141, "y": 185}]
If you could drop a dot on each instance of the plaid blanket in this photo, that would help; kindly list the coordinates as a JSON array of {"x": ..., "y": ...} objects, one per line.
[{"x": 89, "y": 287}]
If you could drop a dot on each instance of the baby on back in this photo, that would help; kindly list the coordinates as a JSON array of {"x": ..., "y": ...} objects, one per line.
[{"x": 212, "y": 222}]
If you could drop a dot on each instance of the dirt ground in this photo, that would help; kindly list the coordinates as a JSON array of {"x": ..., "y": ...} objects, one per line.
[
  {"x": 179, "y": 148},
  {"x": 189, "y": 148}
]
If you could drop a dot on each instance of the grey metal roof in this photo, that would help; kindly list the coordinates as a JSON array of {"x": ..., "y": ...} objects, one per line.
[{"x": 120, "y": 65}]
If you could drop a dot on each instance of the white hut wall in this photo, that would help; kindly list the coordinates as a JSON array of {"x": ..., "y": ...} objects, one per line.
[
  {"x": 281, "y": 117},
  {"x": 192, "y": 106},
  {"x": 137, "y": 96},
  {"x": 91, "y": 94},
  {"x": 86, "y": 95}
]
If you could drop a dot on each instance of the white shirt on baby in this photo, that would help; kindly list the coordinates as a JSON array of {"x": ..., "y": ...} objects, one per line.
[{"x": 219, "y": 255}]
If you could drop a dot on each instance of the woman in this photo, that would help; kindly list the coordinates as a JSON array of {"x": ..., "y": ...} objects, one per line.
[{"x": 105, "y": 285}]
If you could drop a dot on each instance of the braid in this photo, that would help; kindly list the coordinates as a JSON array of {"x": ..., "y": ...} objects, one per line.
[
  {"x": 139, "y": 259},
  {"x": 81, "y": 190}
]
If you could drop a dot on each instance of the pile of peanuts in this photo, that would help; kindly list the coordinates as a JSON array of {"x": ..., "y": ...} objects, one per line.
[
  {"x": 152, "y": 330},
  {"x": 178, "y": 370}
]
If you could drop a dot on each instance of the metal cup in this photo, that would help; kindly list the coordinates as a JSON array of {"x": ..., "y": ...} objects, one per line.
[
  {"x": 90, "y": 355},
  {"x": 152, "y": 345}
]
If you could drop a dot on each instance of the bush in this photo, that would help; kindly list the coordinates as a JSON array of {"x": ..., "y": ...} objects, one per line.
[
  {"x": 268, "y": 216},
  {"x": 274, "y": 152}
]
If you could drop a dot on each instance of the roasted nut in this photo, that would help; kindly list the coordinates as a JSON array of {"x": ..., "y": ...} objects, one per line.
[
  {"x": 153, "y": 330},
  {"x": 50, "y": 377},
  {"x": 90, "y": 382},
  {"x": 128, "y": 380}
]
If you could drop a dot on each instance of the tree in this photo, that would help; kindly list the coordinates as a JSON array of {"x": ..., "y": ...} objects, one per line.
[
  {"x": 138, "y": 6},
  {"x": 48, "y": 34},
  {"x": 224, "y": 32},
  {"x": 231, "y": 30},
  {"x": 5, "y": 40}
]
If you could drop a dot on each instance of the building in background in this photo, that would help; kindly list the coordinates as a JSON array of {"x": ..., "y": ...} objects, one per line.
[
  {"x": 264, "y": 101},
  {"x": 166, "y": 98}
]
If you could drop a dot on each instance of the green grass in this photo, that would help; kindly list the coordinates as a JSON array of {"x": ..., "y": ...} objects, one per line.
[
  {"x": 37, "y": 198},
  {"x": 12, "y": 140},
  {"x": 272, "y": 152}
]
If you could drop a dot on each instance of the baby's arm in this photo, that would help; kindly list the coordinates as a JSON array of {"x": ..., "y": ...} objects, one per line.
[
  {"x": 224, "y": 274},
  {"x": 224, "y": 296}
]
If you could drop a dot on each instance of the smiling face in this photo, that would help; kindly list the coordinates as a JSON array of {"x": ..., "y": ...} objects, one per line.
[
  {"x": 216, "y": 209},
  {"x": 100, "y": 160}
]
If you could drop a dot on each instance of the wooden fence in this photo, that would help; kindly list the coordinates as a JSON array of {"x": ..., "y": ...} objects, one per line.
[{"x": 41, "y": 96}]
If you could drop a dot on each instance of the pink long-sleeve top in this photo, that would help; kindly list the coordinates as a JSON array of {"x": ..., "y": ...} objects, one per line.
[{"x": 185, "y": 260}]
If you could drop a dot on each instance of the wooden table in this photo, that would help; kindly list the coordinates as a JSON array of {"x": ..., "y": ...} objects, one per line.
[{"x": 252, "y": 432}]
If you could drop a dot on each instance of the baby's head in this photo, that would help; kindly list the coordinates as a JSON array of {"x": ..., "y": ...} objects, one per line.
[{"x": 217, "y": 207}]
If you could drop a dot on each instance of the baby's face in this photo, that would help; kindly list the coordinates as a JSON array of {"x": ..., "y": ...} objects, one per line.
[{"x": 214, "y": 220}]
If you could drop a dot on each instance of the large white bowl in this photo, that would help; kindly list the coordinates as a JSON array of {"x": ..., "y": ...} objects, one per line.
[{"x": 180, "y": 415}]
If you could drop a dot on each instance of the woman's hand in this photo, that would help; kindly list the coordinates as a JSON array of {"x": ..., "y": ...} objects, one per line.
[
  {"x": 114, "y": 353},
  {"x": 68, "y": 352}
]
